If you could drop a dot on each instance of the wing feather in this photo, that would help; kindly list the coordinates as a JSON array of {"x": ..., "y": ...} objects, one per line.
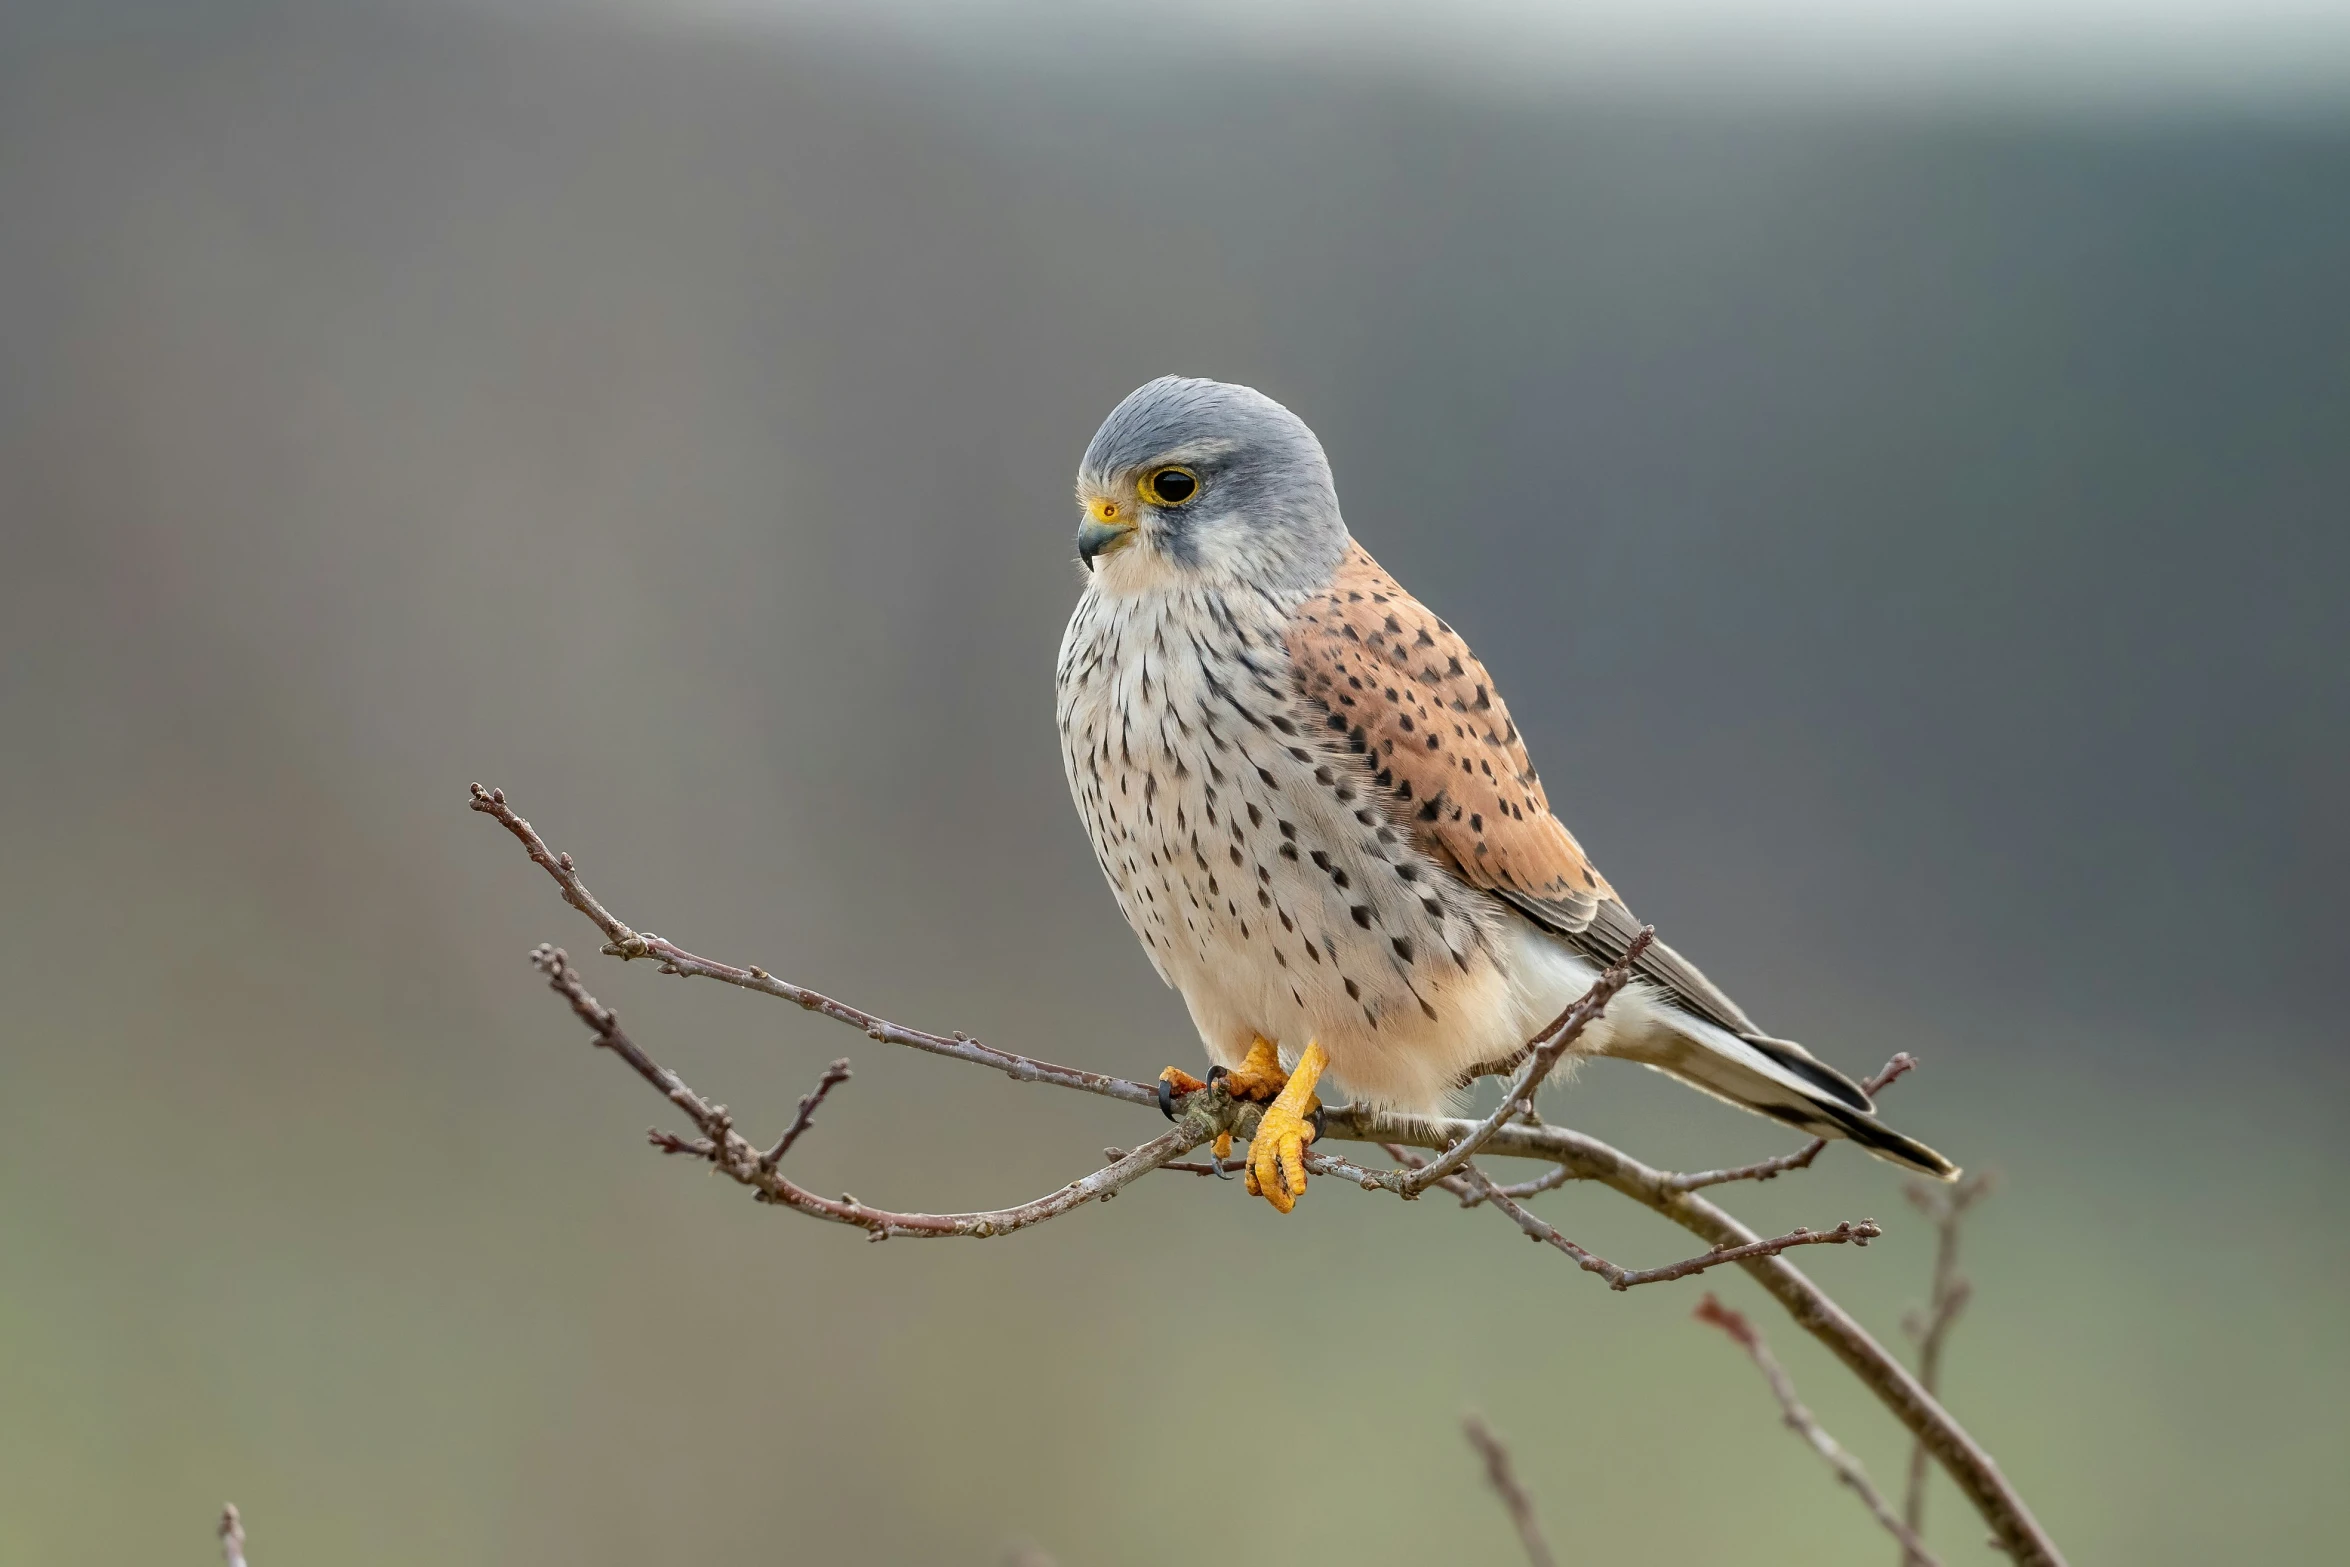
[{"x": 1414, "y": 702}]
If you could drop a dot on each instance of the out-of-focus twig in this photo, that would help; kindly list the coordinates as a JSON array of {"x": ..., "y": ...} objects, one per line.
[
  {"x": 1946, "y": 1206},
  {"x": 232, "y": 1536},
  {"x": 1502, "y": 1475},
  {"x": 1804, "y": 1424}
]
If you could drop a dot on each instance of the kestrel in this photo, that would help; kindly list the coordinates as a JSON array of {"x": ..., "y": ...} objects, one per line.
[{"x": 1313, "y": 807}]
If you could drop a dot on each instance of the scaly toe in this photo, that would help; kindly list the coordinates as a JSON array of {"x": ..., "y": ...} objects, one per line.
[
  {"x": 1277, "y": 1157},
  {"x": 1258, "y": 1078}
]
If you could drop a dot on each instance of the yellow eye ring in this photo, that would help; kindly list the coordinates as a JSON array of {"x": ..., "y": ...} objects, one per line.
[{"x": 1169, "y": 486}]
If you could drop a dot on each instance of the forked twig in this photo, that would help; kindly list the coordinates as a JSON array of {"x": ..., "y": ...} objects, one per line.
[
  {"x": 733, "y": 1156},
  {"x": 1946, "y": 1206},
  {"x": 1627, "y": 1278}
]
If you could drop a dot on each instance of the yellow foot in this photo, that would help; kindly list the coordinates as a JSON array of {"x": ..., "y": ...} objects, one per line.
[
  {"x": 1277, "y": 1153},
  {"x": 1258, "y": 1077}
]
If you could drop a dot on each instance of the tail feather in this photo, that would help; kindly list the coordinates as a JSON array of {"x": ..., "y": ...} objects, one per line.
[{"x": 1779, "y": 1079}]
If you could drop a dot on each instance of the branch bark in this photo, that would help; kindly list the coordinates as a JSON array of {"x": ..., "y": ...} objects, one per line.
[
  {"x": 1201, "y": 1116},
  {"x": 734, "y": 1157}
]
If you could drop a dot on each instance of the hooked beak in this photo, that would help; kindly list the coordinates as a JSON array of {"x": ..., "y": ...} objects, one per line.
[{"x": 1107, "y": 528}]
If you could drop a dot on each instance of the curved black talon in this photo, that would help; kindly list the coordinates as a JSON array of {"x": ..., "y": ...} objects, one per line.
[
  {"x": 1316, "y": 1120},
  {"x": 1167, "y": 1098},
  {"x": 1216, "y": 1072}
]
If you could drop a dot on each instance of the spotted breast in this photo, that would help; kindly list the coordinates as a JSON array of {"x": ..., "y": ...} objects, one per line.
[{"x": 1233, "y": 766}]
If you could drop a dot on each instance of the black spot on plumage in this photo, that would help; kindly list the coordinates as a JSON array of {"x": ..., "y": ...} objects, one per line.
[
  {"x": 1402, "y": 946},
  {"x": 1362, "y": 914},
  {"x": 1289, "y": 851},
  {"x": 1354, "y": 992}
]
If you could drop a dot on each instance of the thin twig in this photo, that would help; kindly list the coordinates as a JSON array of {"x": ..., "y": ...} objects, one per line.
[
  {"x": 734, "y": 1157},
  {"x": 232, "y": 1536},
  {"x": 1551, "y": 1044},
  {"x": 1769, "y": 1169},
  {"x": 1617, "y": 1278},
  {"x": 1804, "y": 1424},
  {"x": 1968, "y": 1465},
  {"x": 1502, "y": 1475},
  {"x": 1946, "y": 1206},
  {"x": 810, "y": 1103},
  {"x": 622, "y": 942}
]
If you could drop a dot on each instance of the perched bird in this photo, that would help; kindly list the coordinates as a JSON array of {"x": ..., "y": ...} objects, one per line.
[{"x": 1315, "y": 811}]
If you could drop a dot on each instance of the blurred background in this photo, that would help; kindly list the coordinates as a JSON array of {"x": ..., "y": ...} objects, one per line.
[{"x": 1895, "y": 466}]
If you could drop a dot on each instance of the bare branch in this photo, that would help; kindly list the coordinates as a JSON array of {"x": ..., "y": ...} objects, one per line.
[
  {"x": 1768, "y": 1169},
  {"x": 810, "y": 1102},
  {"x": 1626, "y": 1278},
  {"x": 1804, "y": 1424},
  {"x": 734, "y": 1157},
  {"x": 1502, "y": 1475},
  {"x": 1552, "y": 1043},
  {"x": 1206, "y": 1115},
  {"x": 232, "y": 1536},
  {"x": 1946, "y": 1206},
  {"x": 622, "y": 942}
]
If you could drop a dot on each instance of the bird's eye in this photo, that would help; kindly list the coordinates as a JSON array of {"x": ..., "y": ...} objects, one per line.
[{"x": 1169, "y": 486}]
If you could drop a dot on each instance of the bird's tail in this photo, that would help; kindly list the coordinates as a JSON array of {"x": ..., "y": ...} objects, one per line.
[{"x": 1780, "y": 1079}]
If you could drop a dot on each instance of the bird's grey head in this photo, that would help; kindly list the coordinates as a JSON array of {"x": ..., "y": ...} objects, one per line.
[{"x": 1191, "y": 481}]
